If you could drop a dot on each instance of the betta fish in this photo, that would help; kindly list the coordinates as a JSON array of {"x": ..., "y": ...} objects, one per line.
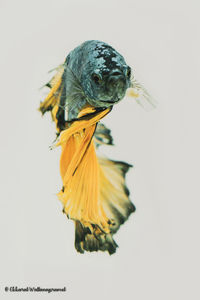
[{"x": 93, "y": 78}]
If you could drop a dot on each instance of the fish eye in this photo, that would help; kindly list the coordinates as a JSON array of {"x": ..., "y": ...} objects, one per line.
[
  {"x": 96, "y": 78},
  {"x": 128, "y": 72}
]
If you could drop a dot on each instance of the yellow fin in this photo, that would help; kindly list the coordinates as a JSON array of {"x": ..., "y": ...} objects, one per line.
[
  {"x": 79, "y": 170},
  {"x": 53, "y": 97},
  {"x": 94, "y": 193}
]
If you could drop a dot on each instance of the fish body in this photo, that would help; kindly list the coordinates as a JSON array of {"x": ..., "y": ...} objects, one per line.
[{"x": 93, "y": 78}]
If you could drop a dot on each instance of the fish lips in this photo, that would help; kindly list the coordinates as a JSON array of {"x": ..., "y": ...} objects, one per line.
[{"x": 105, "y": 103}]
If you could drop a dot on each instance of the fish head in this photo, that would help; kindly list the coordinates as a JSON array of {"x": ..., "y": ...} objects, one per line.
[
  {"x": 105, "y": 76},
  {"x": 102, "y": 73}
]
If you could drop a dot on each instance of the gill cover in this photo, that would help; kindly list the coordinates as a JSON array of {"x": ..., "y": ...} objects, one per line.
[{"x": 94, "y": 194}]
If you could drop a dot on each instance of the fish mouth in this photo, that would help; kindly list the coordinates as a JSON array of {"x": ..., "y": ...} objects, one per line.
[
  {"x": 107, "y": 103},
  {"x": 113, "y": 100},
  {"x": 104, "y": 103}
]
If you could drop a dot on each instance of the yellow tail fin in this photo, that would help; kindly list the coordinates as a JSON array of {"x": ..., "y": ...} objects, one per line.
[{"x": 94, "y": 194}]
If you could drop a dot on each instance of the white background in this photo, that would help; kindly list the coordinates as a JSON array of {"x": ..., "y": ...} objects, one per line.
[{"x": 158, "y": 254}]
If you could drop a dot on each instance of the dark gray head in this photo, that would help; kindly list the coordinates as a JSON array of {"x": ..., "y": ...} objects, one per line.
[{"x": 101, "y": 71}]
